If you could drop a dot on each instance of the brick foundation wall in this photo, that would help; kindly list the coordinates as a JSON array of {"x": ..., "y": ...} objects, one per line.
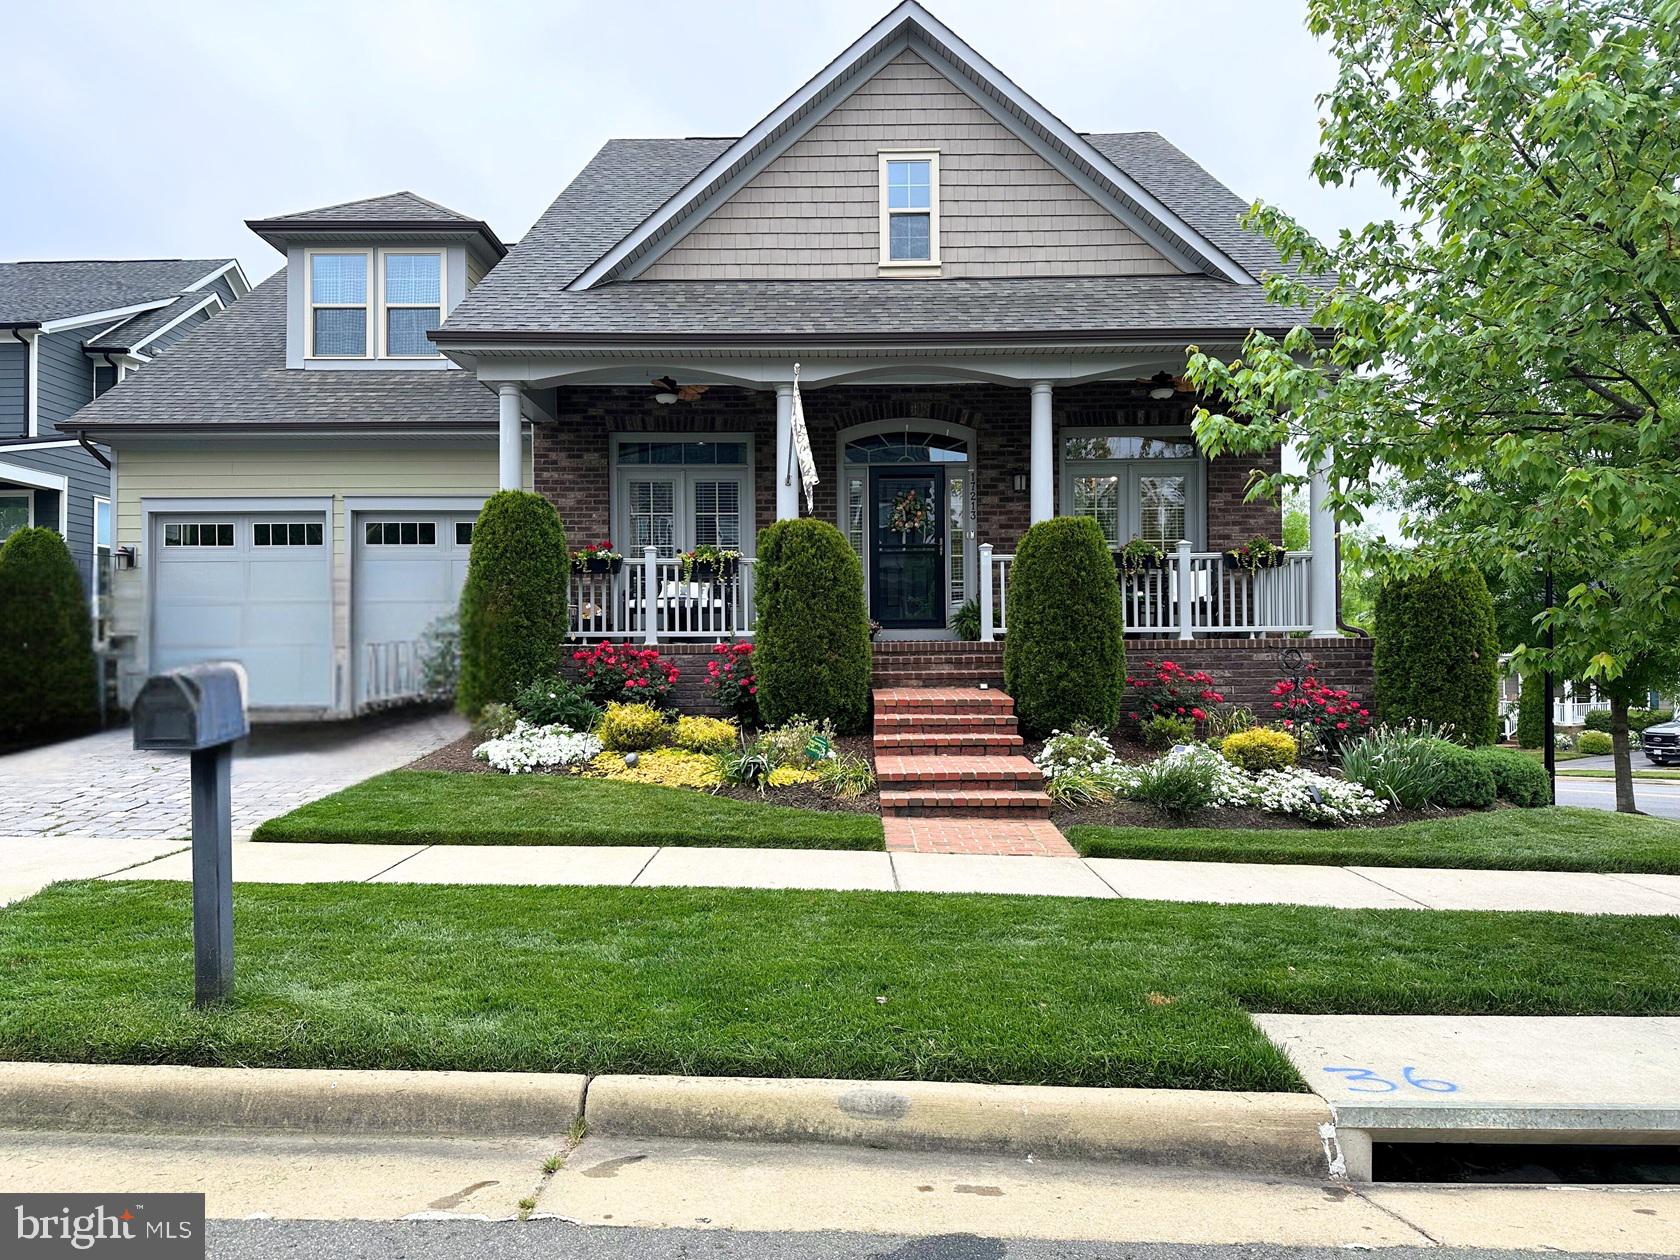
[
  {"x": 1244, "y": 669},
  {"x": 572, "y": 469}
]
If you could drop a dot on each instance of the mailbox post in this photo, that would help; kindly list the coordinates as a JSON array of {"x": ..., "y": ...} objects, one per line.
[{"x": 200, "y": 710}]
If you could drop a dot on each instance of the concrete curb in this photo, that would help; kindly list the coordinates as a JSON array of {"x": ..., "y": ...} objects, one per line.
[
  {"x": 96, "y": 1097},
  {"x": 1279, "y": 1133},
  {"x": 1274, "y": 1133}
]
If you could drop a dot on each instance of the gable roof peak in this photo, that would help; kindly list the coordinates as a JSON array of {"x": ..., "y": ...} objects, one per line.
[{"x": 909, "y": 26}]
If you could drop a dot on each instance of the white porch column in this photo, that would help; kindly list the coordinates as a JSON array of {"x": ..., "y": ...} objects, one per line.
[
  {"x": 1042, "y": 465},
  {"x": 511, "y": 437},
  {"x": 787, "y": 488},
  {"x": 1321, "y": 534}
]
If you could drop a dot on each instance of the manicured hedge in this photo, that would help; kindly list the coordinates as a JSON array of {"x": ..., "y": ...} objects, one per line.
[
  {"x": 1596, "y": 743},
  {"x": 1638, "y": 719},
  {"x": 46, "y": 640},
  {"x": 1436, "y": 656},
  {"x": 1517, "y": 778},
  {"x": 1531, "y": 713},
  {"x": 513, "y": 605},
  {"x": 812, "y": 655},
  {"x": 1467, "y": 782},
  {"x": 1064, "y": 656}
]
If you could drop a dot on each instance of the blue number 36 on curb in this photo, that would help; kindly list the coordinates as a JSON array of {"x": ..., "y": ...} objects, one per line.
[{"x": 1363, "y": 1080}]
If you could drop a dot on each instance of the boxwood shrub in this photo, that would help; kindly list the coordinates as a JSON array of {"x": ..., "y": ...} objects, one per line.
[
  {"x": 1531, "y": 712},
  {"x": 1466, "y": 780},
  {"x": 513, "y": 604},
  {"x": 1595, "y": 743},
  {"x": 46, "y": 640},
  {"x": 1064, "y": 655},
  {"x": 1517, "y": 778},
  {"x": 812, "y": 656},
  {"x": 1638, "y": 719},
  {"x": 1436, "y": 656}
]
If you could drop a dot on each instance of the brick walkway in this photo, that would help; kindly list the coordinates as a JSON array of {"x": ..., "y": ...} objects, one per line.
[{"x": 953, "y": 778}]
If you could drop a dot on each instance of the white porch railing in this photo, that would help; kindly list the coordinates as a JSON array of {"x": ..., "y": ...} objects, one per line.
[
  {"x": 390, "y": 672},
  {"x": 648, "y": 600},
  {"x": 1192, "y": 593}
]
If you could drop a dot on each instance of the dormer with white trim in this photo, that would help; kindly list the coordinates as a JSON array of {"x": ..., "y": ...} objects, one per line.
[{"x": 367, "y": 281}]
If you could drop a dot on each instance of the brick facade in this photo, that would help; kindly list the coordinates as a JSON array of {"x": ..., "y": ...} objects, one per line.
[
  {"x": 1245, "y": 669},
  {"x": 572, "y": 467}
]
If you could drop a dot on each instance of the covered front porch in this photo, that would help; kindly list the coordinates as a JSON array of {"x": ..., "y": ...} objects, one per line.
[{"x": 931, "y": 473}]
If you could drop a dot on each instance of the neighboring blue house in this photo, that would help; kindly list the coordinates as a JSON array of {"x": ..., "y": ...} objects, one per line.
[{"x": 69, "y": 331}]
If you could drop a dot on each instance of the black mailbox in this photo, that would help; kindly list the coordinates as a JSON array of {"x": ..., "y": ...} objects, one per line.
[{"x": 197, "y": 707}]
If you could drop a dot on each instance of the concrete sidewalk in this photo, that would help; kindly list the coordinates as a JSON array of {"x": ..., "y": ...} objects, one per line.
[{"x": 1352, "y": 887}]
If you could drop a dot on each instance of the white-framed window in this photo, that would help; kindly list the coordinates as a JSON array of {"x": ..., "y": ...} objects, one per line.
[
  {"x": 400, "y": 533},
  {"x": 288, "y": 534},
  {"x": 679, "y": 492},
  {"x": 1147, "y": 483},
  {"x": 411, "y": 294},
  {"x": 101, "y": 588},
  {"x": 198, "y": 534},
  {"x": 17, "y": 511},
  {"x": 339, "y": 302},
  {"x": 909, "y": 209}
]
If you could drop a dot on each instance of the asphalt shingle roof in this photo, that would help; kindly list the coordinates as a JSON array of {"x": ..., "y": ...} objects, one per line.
[
  {"x": 391, "y": 207},
  {"x": 231, "y": 370},
  {"x": 36, "y": 292},
  {"x": 628, "y": 180},
  {"x": 137, "y": 328}
]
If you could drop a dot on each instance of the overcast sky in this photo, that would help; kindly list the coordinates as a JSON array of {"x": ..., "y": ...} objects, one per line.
[{"x": 159, "y": 136}]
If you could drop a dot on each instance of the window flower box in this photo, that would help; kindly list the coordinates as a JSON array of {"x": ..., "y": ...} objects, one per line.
[
  {"x": 597, "y": 557},
  {"x": 1257, "y": 553},
  {"x": 1139, "y": 556}
]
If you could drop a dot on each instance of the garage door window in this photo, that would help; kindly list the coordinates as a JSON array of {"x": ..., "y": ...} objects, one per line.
[
  {"x": 286, "y": 534},
  {"x": 463, "y": 533},
  {"x": 199, "y": 534},
  {"x": 401, "y": 533}
]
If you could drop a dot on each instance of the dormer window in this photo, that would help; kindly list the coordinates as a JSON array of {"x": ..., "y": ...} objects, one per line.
[
  {"x": 909, "y": 210},
  {"x": 413, "y": 302},
  {"x": 374, "y": 303}
]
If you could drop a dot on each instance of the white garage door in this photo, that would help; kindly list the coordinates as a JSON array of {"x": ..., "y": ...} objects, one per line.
[
  {"x": 409, "y": 568},
  {"x": 249, "y": 587}
]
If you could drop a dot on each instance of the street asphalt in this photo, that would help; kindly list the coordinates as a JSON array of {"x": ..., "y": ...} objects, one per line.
[{"x": 560, "y": 1240}]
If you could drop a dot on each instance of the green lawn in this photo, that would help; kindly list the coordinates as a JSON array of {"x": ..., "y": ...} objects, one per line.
[
  {"x": 733, "y": 981},
  {"x": 440, "y": 807},
  {"x": 1578, "y": 772},
  {"x": 1561, "y": 839}
]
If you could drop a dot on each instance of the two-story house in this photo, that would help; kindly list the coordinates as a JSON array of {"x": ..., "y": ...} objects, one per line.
[
  {"x": 975, "y": 315},
  {"x": 70, "y": 331}
]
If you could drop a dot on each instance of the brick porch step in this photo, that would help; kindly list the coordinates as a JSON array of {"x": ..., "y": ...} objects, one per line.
[
  {"x": 941, "y": 700},
  {"x": 940, "y": 677},
  {"x": 976, "y": 801},
  {"x": 1028, "y": 837},
  {"x": 988, "y": 742},
  {"x": 912, "y": 720},
  {"x": 950, "y": 769}
]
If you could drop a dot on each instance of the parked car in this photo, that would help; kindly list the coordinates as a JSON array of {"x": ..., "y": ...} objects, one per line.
[{"x": 1662, "y": 743}]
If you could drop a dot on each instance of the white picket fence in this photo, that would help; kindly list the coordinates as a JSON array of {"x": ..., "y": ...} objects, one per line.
[{"x": 1192, "y": 593}]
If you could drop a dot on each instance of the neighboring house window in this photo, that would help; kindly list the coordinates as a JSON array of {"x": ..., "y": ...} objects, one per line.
[
  {"x": 199, "y": 534},
  {"x": 101, "y": 568},
  {"x": 413, "y": 301},
  {"x": 15, "y": 511},
  {"x": 286, "y": 534},
  {"x": 338, "y": 304},
  {"x": 401, "y": 533},
  {"x": 675, "y": 494},
  {"x": 909, "y": 209},
  {"x": 104, "y": 376}
]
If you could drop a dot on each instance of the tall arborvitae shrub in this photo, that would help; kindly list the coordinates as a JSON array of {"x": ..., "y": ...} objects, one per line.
[
  {"x": 1436, "y": 656},
  {"x": 1064, "y": 654},
  {"x": 812, "y": 633},
  {"x": 46, "y": 640},
  {"x": 1531, "y": 712},
  {"x": 513, "y": 605}
]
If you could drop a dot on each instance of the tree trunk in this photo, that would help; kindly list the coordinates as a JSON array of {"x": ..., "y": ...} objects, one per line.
[{"x": 1622, "y": 755}]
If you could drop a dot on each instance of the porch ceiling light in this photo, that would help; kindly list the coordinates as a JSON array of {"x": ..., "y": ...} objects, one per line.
[
  {"x": 665, "y": 396},
  {"x": 1162, "y": 385}
]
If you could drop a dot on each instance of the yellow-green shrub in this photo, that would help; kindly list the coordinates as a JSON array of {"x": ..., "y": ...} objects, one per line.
[
  {"x": 788, "y": 776},
  {"x": 1260, "y": 748},
  {"x": 704, "y": 735},
  {"x": 662, "y": 767},
  {"x": 633, "y": 727},
  {"x": 1595, "y": 743}
]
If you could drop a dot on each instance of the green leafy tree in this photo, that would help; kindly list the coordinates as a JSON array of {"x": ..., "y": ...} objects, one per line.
[
  {"x": 812, "y": 656},
  {"x": 1518, "y": 337},
  {"x": 513, "y": 603},
  {"x": 46, "y": 640}
]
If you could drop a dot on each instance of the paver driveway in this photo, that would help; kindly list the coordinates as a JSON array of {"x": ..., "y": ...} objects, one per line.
[{"x": 99, "y": 786}]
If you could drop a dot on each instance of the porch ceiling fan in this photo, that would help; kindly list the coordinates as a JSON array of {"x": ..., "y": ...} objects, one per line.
[{"x": 669, "y": 391}]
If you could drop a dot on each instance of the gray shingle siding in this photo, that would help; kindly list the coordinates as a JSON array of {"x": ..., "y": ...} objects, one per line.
[
  {"x": 65, "y": 382},
  {"x": 14, "y": 375},
  {"x": 89, "y": 479}
]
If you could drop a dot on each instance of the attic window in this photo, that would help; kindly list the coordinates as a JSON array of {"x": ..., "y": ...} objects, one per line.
[
  {"x": 909, "y": 209},
  {"x": 338, "y": 303},
  {"x": 413, "y": 291}
]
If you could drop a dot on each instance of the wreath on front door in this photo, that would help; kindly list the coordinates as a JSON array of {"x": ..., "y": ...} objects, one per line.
[{"x": 911, "y": 514}]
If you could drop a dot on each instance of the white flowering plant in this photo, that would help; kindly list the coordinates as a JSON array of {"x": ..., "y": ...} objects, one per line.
[
  {"x": 527, "y": 748},
  {"x": 1079, "y": 749},
  {"x": 1314, "y": 797}
]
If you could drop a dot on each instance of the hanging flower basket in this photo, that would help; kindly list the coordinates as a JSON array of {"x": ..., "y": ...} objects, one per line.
[
  {"x": 709, "y": 564},
  {"x": 912, "y": 513},
  {"x": 597, "y": 558},
  {"x": 1257, "y": 553},
  {"x": 1139, "y": 556}
]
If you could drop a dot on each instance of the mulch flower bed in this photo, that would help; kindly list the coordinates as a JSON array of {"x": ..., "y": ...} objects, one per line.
[{"x": 1230, "y": 818}]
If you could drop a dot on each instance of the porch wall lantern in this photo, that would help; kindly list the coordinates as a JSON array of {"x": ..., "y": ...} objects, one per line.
[{"x": 1019, "y": 481}]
